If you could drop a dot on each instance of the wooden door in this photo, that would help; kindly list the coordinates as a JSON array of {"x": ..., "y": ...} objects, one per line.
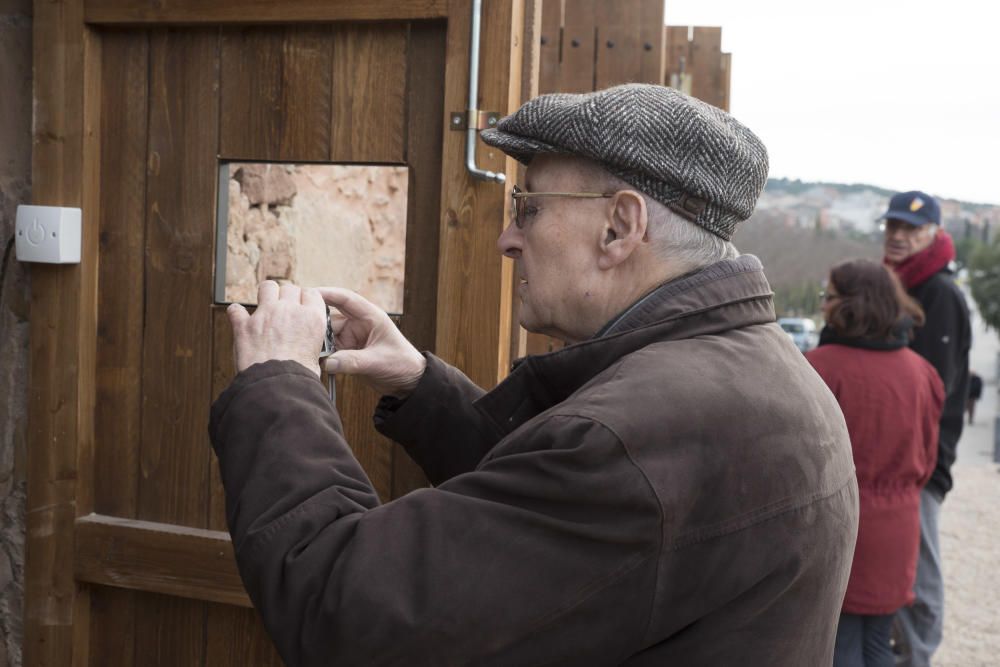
[{"x": 128, "y": 562}]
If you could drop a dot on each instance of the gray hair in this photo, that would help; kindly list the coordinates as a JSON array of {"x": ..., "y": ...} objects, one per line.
[
  {"x": 684, "y": 243},
  {"x": 674, "y": 239}
]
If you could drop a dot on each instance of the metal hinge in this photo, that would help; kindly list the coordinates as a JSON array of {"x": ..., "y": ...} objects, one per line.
[{"x": 481, "y": 120}]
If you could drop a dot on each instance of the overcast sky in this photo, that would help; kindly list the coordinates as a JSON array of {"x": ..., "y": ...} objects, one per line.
[{"x": 903, "y": 95}]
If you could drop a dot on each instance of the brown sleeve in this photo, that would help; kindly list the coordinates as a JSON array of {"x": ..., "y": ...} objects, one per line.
[
  {"x": 511, "y": 564},
  {"x": 438, "y": 424}
]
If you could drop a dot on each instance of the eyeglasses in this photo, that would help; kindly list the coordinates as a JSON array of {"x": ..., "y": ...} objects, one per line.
[
  {"x": 520, "y": 209},
  {"x": 827, "y": 296}
]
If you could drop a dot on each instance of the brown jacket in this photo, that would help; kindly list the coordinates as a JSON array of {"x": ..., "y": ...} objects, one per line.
[{"x": 676, "y": 491}]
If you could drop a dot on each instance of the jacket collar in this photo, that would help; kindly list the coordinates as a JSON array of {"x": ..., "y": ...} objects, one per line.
[
  {"x": 918, "y": 268},
  {"x": 900, "y": 338},
  {"x": 727, "y": 295}
]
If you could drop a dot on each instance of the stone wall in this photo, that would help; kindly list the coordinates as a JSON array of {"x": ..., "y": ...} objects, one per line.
[
  {"x": 317, "y": 225},
  {"x": 15, "y": 188}
]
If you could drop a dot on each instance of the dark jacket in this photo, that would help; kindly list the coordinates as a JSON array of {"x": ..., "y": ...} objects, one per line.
[
  {"x": 945, "y": 341},
  {"x": 678, "y": 491},
  {"x": 891, "y": 400}
]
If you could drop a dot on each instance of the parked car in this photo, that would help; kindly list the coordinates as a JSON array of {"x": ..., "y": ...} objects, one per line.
[{"x": 801, "y": 330}]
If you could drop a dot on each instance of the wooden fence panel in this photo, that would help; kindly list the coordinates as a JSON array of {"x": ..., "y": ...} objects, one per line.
[{"x": 176, "y": 382}]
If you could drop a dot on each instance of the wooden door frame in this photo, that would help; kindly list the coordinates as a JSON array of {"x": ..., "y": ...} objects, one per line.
[{"x": 475, "y": 288}]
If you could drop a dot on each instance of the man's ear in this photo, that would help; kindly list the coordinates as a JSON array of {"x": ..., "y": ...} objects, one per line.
[{"x": 625, "y": 228}]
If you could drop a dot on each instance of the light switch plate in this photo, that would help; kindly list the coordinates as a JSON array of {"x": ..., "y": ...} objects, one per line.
[{"x": 48, "y": 234}]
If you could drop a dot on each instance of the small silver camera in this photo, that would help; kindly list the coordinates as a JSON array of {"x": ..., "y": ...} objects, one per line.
[{"x": 329, "y": 345}]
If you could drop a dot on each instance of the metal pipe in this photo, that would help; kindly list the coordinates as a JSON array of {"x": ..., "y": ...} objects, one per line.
[{"x": 472, "y": 130}]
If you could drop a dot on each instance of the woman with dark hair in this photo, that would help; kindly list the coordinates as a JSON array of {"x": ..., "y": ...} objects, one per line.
[{"x": 892, "y": 400}]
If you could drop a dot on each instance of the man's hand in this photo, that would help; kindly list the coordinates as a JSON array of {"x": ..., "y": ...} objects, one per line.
[
  {"x": 288, "y": 324},
  {"x": 370, "y": 345}
]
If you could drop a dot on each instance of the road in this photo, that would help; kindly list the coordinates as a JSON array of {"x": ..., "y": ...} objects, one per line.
[{"x": 970, "y": 526}]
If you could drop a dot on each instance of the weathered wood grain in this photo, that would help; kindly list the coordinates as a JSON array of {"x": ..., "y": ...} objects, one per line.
[
  {"x": 176, "y": 382},
  {"x": 153, "y": 557},
  {"x": 369, "y": 92},
  {"x": 194, "y": 12},
  {"x": 275, "y": 100}
]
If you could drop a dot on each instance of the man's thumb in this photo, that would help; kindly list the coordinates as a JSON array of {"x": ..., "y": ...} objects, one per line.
[
  {"x": 237, "y": 315},
  {"x": 349, "y": 362}
]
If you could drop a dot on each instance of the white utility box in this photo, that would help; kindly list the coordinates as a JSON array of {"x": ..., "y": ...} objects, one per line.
[{"x": 48, "y": 234}]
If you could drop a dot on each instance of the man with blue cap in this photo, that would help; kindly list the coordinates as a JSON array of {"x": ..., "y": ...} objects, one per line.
[{"x": 920, "y": 252}]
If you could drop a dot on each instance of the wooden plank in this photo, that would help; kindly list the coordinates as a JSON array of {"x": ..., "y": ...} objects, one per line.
[
  {"x": 174, "y": 456},
  {"x": 244, "y": 643},
  {"x": 63, "y": 313},
  {"x": 117, "y": 427},
  {"x": 474, "y": 286},
  {"x": 178, "y": 636},
  {"x": 706, "y": 65},
  {"x": 522, "y": 341},
  {"x": 678, "y": 55},
  {"x": 193, "y": 12},
  {"x": 550, "y": 46},
  {"x": 179, "y": 238},
  {"x": 223, "y": 372},
  {"x": 424, "y": 134},
  {"x": 369, "y": 100},
  {"x": 112, "y": 609},
  {"x": 122, "y": 244},
  {"x": 618, "y": 53},
  {"x": 725, "y": 78},
  {"x": 275, "y": 100},
  {"x": 530, "y": 83},
  {"x": 87, "y": 333},
  {"x": 576, "y": 73},
  {"x": 652, "y": 38},
  {"x": 531, "y": 51},
  {"x": 184, "y": 562},
  {"x": 542, "y": 344}
]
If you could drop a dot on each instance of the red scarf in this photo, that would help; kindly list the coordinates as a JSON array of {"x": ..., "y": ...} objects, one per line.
[{"x": 918, "y": 267}]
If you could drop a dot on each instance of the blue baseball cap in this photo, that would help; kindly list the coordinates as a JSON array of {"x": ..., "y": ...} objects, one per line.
[{"x": 914, "y": 207}]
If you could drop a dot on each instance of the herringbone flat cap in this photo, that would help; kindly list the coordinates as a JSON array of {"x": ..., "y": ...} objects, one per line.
[{"x": 692, "y": 157}]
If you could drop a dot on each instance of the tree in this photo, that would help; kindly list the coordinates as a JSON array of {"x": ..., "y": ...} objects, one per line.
[{"x": 984, "y": 278}]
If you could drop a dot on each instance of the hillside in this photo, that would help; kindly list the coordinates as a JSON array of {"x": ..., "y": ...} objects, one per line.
[
  {"x": 800, "y": 229},
  {"x": 797, "y": 259}
]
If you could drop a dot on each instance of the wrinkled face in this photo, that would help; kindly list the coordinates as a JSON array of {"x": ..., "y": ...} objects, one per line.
[
  {"x": 555, "y": 252},
  {"x": 903, "y": 239}
]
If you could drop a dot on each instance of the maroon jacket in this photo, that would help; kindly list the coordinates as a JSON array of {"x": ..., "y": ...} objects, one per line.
[
  {"x": 892, "y": 402},
  {"x": 676, "y": 491}
]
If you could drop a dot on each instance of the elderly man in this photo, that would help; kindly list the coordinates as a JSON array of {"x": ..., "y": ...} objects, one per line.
[
  {"x": 920, "y": 252},
  {"x": 673, "y": 488}
]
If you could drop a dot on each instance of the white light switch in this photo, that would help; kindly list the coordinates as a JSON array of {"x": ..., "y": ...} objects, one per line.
[{"x": 49, "y": 234}]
